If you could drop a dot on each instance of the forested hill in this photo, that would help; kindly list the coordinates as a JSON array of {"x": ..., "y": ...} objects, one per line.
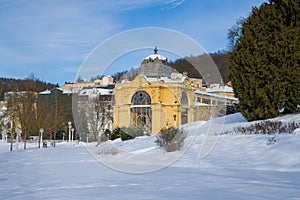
[
  {"x": 11, "y": 84},
  {"x": 182, "y": 65},
  {"x": 220, "y": 59}
]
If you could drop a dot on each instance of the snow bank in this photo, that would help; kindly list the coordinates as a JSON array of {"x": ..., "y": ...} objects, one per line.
[{"x": 206, "y": 147}]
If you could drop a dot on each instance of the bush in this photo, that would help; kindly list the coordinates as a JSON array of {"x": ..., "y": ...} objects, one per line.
[
  {"x": 104, "y": 136},
  {"x": 128, "y": 133},
  {"x": 115, "y": 134},
  {"x": 60, "y": 134},
  {"x": 231, "y": 109},
  {"x": 268, "y": 127},
  {"x": 125, "y": 135},
  {"x": 171, "y": 139}
]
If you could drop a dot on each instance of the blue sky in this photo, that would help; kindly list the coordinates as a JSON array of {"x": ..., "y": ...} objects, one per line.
[{"x": 52, "y": 38}]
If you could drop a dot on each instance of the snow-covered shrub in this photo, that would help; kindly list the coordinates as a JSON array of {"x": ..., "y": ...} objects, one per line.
[
  {"x": 133, "y": 132},
  {"x": 268, "y": 127},
  {"x": 116, "y": 133},
  {"x": 272, "y": 140},
  {"x": 171, "y": 139},
  {"x": 107, "y": 148},
  {"x": 296, "y": 131},
  {"x": 292, "y": 126},
  {"x": 127, "y": 133}
]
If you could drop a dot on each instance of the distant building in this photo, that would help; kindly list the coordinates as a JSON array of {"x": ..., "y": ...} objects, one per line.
[
  {"x": 94, "y": 105},
  {"x": 223, "y": 90},
  {"x": 88, "y": 105},
  {"x": 105, "y": 82},
  {"x": 57, "y": 98}
]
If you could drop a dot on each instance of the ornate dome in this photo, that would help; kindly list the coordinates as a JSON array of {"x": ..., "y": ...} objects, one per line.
[
  {"x": 155, "y": 65},
  {"x": 156, "y": 56}
]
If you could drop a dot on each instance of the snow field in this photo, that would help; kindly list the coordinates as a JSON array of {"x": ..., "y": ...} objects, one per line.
[{"x": 231, "y": 167}]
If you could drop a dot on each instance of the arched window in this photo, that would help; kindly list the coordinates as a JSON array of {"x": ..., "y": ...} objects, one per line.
[
  {"x": 140, "y": 110},
  {"x": 141, "y": 98},
  {"x": 184, "y": 102},
  {"x": 184, "y": 99}
]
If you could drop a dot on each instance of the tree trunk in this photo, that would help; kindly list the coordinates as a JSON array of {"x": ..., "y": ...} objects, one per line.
[
  {"x": 24, "y": 140},
  {"x": 11, "y": 146},
  {"x": 54, "y": 139}
]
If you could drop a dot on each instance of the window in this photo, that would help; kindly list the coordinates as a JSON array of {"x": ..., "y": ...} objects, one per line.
[
  {"x": 184, "y": 99},
  {"x": 141, "y": 98},
  {"x": 140, "y": 110},
  {"x": 184, "y": 104},
  {"x": 206, "y": 101}
]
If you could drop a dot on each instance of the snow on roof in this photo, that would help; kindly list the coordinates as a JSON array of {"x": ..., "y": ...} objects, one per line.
[
  {"x": 154, "y": 56},
  {"x": 90, "y": 91},
  {"x": 62, "y": 90},
  {"x": 18, "y": 92},
  {"x": 216, "y": 95},
  {"x": 67, "y": 91},
  {"x": 220, "y": 89},
  {"x": 45, "y": 92},
  {"x": 166, "y": 80},
  {"x": 97, "y": 80}
]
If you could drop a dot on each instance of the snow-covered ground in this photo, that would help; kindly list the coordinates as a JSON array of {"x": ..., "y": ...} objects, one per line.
[{"x": 211, "y": 166}]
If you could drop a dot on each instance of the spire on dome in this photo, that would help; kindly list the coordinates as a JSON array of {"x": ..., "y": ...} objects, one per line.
[
  {"x": 155, "y": 50},
  {"x": 155, "y": 56}
]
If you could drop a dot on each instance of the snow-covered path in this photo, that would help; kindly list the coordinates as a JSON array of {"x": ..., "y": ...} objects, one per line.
[{"x": 72, "y": 173}]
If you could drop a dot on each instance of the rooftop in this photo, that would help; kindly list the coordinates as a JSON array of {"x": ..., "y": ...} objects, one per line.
[{"x": 220, "y": 89}]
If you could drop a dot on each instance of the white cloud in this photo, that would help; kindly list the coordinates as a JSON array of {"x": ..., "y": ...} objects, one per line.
[
  {"x": 171, "y": 4},
  {"x": 63, "y": 25}
]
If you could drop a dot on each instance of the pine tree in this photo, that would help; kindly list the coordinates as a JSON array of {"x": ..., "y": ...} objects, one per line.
[{"x": 264, "y": 60}]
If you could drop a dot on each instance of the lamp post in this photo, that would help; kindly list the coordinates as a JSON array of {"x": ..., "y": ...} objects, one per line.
[
  {"x": 211, "y": 112},
  {"x": 5, "y": 139},
  {"x": 70, "y": 126},
  {"x": 41, "y": 138},
  {"x": 72, "y": 130},
  {"x": 64, "y": 134}
]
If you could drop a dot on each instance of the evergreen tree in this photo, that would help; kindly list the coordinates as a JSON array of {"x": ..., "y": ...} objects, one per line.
[{"x": 264, "y": 60}]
